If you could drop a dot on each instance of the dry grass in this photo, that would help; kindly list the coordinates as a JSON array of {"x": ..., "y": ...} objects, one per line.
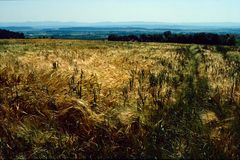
[{"x": 97, "y": 99}]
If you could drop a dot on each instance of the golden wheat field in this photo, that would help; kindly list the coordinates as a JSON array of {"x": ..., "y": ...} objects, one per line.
[{"x": 62, "y": 99}]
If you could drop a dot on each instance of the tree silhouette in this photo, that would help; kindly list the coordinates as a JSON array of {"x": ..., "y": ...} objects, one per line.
[
  {"x": 5, "y": 34},
  {"x": 196, "y": 38}
]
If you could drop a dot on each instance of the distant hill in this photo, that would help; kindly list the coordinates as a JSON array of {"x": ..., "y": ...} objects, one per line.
[
  {"x": 101, "y": 30},
  {"x": 5, "y": 34}
]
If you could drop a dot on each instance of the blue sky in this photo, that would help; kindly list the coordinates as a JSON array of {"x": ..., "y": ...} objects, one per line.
[{"x": 120, "y": 10}]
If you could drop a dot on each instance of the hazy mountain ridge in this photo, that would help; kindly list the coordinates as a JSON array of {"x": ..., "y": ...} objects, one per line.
[{"x": 117, "y": 24}]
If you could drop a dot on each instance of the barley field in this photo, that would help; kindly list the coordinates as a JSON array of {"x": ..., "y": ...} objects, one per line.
[{"x": 62, "y": 99}]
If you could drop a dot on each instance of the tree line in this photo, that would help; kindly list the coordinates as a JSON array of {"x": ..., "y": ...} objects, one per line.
[
  {"x": 196, "y": 38},
  {"x": 5, "y": 34}
]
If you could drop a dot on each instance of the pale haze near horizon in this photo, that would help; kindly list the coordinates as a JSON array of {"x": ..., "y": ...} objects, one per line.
[{"x": 180, "y": 11}]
